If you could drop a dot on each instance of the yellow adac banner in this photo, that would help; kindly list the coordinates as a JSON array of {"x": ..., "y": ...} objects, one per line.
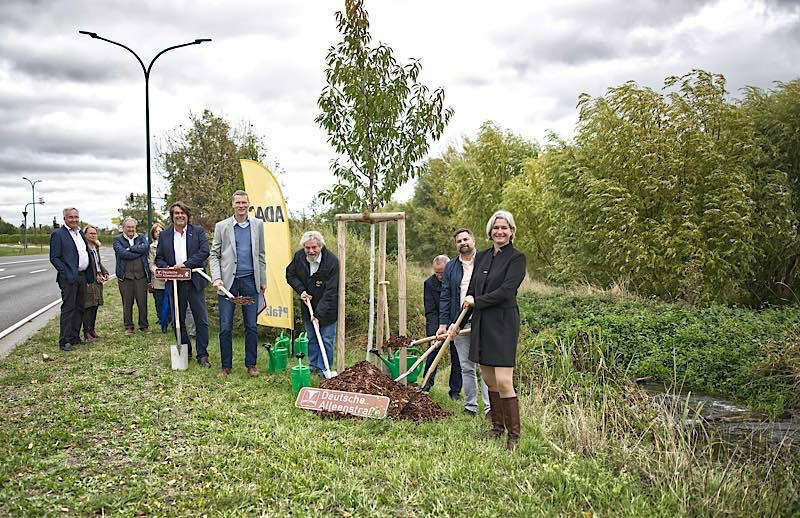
[{"x": 268, "y": 205}]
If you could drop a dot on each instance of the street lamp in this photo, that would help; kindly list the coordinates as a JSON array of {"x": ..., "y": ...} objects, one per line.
[
  {"x": 146, "y": 71},
  {"x": 33, "y": 198},
  {"x": 25, "y": 218}
]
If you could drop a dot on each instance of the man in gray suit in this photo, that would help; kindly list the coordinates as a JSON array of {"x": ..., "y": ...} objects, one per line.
[{"x": 237, "y": 262}]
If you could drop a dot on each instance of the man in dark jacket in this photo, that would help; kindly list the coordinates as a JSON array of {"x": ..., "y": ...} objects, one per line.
[
  {"x": 133, "y": 274},
  {"x": 69, "y": 254},
  {"x": 183, "y": 245},
  {"x": 314, "y": 275},
  {"x": 457, "y": 275},
  {"x": 432, "y": 291}
]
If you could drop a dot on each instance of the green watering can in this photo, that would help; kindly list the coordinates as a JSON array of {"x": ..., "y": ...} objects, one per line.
[
  {"x": 394, "y": 364},
  {"x": 278, "y": 358},
  {"x": 301, "y": 375},
  {"x": 300, "y": 344}
]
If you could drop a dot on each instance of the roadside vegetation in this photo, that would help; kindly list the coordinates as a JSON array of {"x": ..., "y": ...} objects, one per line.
[
  {"x": 110, "y": 428},
  {"x": 752, "y": 356}
]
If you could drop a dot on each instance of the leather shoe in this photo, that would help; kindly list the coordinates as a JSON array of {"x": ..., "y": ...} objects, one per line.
[
  {"x": 224, "y": 372},
  {"x": 67, "y": 347},
  {"x": 252, "y": 372},
  {"x": 145, "y": 330},
  {"x": 204, "y": 362},
  {"x": 94, "y": 335},
  {"x": 129, "y": 331},
  {"x": 87, "y": 337}
]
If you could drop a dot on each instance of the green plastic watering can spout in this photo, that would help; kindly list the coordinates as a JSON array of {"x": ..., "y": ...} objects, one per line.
[{"x": 381, "y": 358}]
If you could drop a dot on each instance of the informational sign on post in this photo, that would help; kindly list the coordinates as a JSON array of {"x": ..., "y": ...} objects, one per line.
[
  {"x": 353, "y": 403},
  {"x": 174, "y": 274}
]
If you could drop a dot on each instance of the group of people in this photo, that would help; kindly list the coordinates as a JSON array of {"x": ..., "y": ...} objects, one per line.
[
  {"x": 482, "y": 284},
  {"x": 237, "y": 263}
]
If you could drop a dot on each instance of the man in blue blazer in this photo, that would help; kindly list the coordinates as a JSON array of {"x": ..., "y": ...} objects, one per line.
[
  {"x": 69, "y": 254},
  {"x": 133, "y": 274},
  {"x": 183, "y": 245}
]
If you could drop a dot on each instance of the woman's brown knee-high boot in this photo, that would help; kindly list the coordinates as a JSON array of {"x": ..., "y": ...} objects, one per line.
[
  {"x": 496, "y": 413},
  {"x": 511, "y": 420}
]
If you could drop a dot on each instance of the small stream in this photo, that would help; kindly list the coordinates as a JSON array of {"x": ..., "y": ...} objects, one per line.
[{"x": 737, "y": 424}]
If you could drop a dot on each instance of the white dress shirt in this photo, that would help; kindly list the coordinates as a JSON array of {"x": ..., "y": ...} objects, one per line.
[
  {"x": 179, "y": 242},
  {"x": 314, "y": 265},
  {"x": 83, "y": 255},
  {"x": 467, "y": 266}
]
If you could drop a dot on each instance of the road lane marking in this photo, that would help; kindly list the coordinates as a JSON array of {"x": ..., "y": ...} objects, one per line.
[
  {"x": 28, "y": 261},
  {"x": 9, "y": 330},
  {"x": 37, "y": 271},
  {"x": 27, "y": 319},
  {"x": 7, "y": 277}
]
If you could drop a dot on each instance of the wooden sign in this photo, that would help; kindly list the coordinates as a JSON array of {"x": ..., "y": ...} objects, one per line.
[
  {"x": 353, "y": 403},
  {"x": 174, "y": 274}
]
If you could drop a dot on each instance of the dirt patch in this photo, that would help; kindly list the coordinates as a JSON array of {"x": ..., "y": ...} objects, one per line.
[
  {"x": 404, "y": 401},
  {"x": 396, "y": 342}
]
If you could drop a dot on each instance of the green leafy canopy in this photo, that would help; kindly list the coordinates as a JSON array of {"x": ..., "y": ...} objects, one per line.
[{"x": 379, "y": 119}]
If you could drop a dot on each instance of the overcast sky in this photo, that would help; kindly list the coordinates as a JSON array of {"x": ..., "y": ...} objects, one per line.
[{"x": 73, "y": 108}]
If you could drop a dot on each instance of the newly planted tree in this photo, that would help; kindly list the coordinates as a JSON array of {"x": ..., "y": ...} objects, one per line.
[{"x": 379, "y": 119}]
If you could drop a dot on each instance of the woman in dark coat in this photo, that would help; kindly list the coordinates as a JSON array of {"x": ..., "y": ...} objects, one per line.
[
  {"x": 495, "y": 322},
  {"x": 94, "y": 291}
]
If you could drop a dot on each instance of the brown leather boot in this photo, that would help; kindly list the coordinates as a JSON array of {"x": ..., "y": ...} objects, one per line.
[
  {"x": 496, "y": 415},
  {"x": 511, "y": 420}
]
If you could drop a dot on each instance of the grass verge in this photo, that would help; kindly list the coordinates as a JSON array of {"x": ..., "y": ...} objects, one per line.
[{"x": 110, "y": 428}]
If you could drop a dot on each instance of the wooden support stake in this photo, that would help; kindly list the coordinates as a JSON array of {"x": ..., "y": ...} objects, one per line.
[
  {"x": 379, "y": 325},
  {"x": 401, "y": 288},
  {"x": 386, "y": 310},
  {"x": 341, "y": 241},
  {"x": 374, "y": 217}
]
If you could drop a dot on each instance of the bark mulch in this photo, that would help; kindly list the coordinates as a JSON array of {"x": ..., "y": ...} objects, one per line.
[{"x": 404, "y": 401}]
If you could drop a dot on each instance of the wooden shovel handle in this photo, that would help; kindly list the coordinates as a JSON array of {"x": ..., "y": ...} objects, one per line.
[
  {"x": 445, "y": 347},
  {"x": 426, "y": 353}
]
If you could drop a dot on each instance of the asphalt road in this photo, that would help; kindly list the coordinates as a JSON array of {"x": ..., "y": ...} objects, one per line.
[{"x": 28, "y": 283}]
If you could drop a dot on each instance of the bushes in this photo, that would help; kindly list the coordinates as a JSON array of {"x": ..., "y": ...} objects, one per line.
[
  {"x": 41, "y": 238},
  {"x": 680, "y": 194},
  {"x": 726, "y": 351}
]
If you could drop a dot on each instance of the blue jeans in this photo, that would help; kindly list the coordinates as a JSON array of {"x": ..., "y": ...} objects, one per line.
[
  {"x": 245, "y": 287},
  {"x": 328, "y": 333},
  {"x": 158, "y": 295}
]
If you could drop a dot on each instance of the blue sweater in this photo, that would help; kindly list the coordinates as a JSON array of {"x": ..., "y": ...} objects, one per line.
[{"x": 244, "y": 251}]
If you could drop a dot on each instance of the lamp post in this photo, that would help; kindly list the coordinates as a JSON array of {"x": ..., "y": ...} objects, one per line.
[
  {"x": 146, "y": 71},
  {"x": 33, "y": 201},
  {"x": 25, "y": 217}
]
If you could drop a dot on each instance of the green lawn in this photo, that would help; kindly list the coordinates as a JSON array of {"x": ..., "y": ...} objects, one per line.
[
  {"x": 10, "y": 250},
  {"x": 110, "y": 428}
]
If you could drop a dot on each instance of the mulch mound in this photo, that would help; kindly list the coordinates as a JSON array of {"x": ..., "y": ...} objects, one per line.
[{"x": 404, "y": 401}]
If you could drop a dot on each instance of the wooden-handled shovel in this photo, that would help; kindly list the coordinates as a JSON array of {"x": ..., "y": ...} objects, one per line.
[
  {"x": 445, "y": 347},
  {"x": 426, "y": 353},
  {"x": 328, "y": 372}
]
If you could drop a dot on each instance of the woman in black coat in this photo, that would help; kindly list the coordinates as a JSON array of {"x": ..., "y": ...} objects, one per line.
[{"x": 495, "y": 322}]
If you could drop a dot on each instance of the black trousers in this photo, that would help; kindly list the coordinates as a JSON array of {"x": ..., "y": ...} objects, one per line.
[
  {"x": 130, "y": 290},
  {"x": 73, "y": 297},
  {"x": 196, "y": 300},
  {"x": 89, "y": 318}
]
